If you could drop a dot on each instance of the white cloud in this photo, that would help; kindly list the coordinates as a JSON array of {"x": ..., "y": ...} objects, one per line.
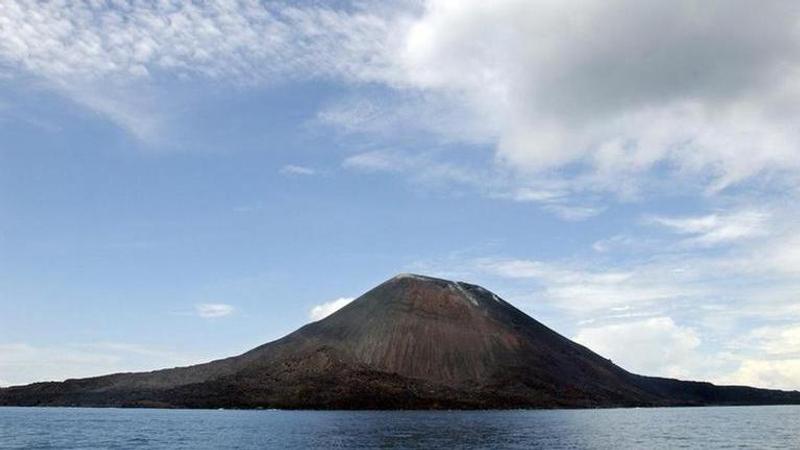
[
  {"x": 22, "y": 363},
  {"x": 553, "y": 196},
  {"x": 608, "y": 96},
  {"x": 426, "y": 169},
  {"x": 403, "y": 113},
  {"x": 605, "y": 95},
  {"x": 105, "y": 57},
  {"x": 291, "y": 169},
  {"x": 131, "y": 108},
  {"x": 767, "y": 356},
  {"x": 324, "y": 310},
  {"x": 776, "y": 341},
  {"x": 244, "y": 40},
  {"x": 621, "y": 88},
  {"x": 538, "y": 195},
  {"x": 213, "y": 310},
  {"x": 767, "y": 373},
  {"x": 729, "y": 276},
  {"x": 621, "y": 241},
  {"x": 654, "y": 346},
  {"x": 377, "y": 161},
  {"x": 571, "y": 98},
  {"x": 582, "y": 290},
  {"x": 431, "y": 170},
  {"x": 781, "y": 254},
  {"x": 574, "y": 213},
  {"x": 715, "y": 229}
]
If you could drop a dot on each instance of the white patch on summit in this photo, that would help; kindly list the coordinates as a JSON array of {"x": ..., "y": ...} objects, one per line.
[
  {"x": 466, "y": 293},
  {"x": 412, "y": 276}
]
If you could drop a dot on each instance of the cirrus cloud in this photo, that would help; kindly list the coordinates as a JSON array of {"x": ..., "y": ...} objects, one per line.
[
  {"x": 295, "y": 170},
  {"x": 213, "y": 310}
]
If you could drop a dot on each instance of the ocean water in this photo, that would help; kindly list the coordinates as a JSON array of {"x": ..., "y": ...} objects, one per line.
[{"x": 658, "y": 428}]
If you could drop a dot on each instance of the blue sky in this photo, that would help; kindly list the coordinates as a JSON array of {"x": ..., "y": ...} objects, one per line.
[{"x": 185, "y": 181}]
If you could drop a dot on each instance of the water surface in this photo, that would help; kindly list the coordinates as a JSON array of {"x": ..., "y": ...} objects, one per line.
[{"x": 759, "y": 427}]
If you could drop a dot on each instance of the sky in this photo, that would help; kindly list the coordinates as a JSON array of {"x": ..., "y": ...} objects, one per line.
[{"x": 183, "y": 181}]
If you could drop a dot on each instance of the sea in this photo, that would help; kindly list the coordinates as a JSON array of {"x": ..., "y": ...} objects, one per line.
[{"x": 761, "y": 427}]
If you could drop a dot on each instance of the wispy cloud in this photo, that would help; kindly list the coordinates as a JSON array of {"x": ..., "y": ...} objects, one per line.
[
  {"x": 294, "y": 170},
  {"x": 427, "y": 169},
  {"x": 590, "y": 290},
  {"x": 378, "y": 161},
  {"x": 714, "y": 229},
  {"x": 434, "y": 171},
  {"x": 214, "y": 310},
  {"x": 574, "y": 213},
  {"x": 553, "y": 196}
]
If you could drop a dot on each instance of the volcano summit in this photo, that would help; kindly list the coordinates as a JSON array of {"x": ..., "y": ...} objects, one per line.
[{"x": 411, "y": 342}]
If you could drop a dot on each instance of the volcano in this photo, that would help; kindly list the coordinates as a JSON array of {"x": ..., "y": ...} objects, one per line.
[{"x": 413, "y": 342}]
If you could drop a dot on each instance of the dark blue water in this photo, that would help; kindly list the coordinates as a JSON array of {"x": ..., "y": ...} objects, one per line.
[{"x": 661, "y": 428}]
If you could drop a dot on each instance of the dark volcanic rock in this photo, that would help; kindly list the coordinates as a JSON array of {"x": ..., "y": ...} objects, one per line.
[{"x": 412, "y": 342}]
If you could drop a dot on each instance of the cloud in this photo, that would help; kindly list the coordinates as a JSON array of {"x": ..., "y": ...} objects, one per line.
[
  {"x": 623, "y": 88},
  {"x": 775, "y": 342},
  {"x": 781, "y": 254},
  {"x": 424, "y": 168},
  {"x": 291, "y": 169},
  {"x": 622, "y": 242},
  {"x": 432, "y": 170},
  {"x": 582, "y": 290},
  {"x": 402, "y": 112},
  {"x": 728, "y": 276},
  {"x": 776, "y": 374},
  {"x": 654, "y": 346},
  {"x": 716, "y": 229},
  {"x": 245, "y": 41},
  {"x": 564, "y": 105},
  {"x": 553, "y": 196},
  {"x": 536, "y": 194},
  {"x": 607, "y": 96},
  {"x": 324, "y": 310},
  {"x": 614, "y": 97},
  {"x": 767, "y": 356},
  {"x": 574, "y": 213},
  {"x": 213, "y": 310},
  {"x": 377, "y": 161},
  {"x": 132, "y": 108},
  {"x": 106, "y": 56},
  {"x": 22, "y": 363}
]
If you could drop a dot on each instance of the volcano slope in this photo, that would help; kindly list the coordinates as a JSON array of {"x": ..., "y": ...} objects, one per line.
[{"x": 413, "y": 342}]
